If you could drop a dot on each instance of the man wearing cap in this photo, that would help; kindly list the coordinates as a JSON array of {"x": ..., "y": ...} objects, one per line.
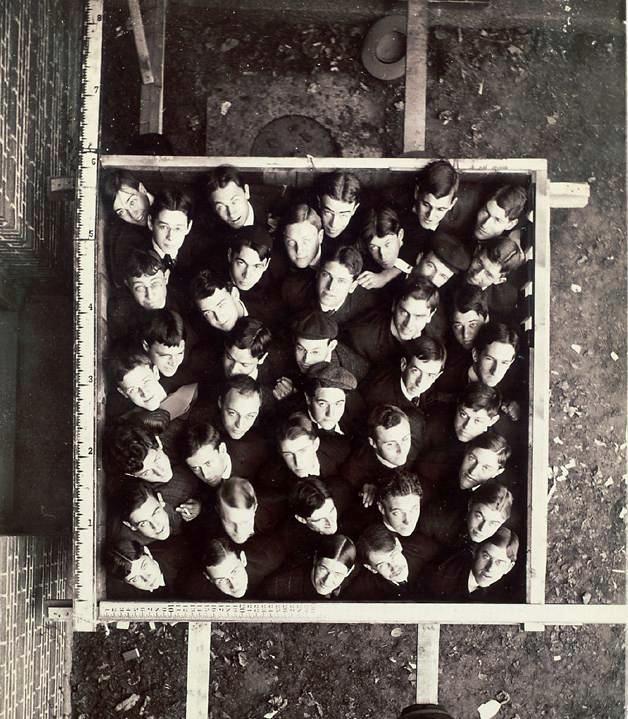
[
  {"x": 315, "y": 340},
  {"x": 378, "y": 336},
  {"x": 445, "y": 257}
]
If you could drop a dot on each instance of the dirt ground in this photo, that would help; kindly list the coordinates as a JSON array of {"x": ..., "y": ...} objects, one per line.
[{"x": 503, "y": 93}]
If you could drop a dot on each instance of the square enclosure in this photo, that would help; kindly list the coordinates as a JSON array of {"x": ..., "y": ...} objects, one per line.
[{"x": 92, "y": 604}]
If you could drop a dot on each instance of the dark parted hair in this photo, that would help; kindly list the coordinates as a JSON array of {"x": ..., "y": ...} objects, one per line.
[
  {"x": 196, "y": 435},
  {"x": 419, "y": 288},
  {"x": 246, "y": 237},
  {"x": 347, "y": 256},
  {"x": 206, "y": 283},
  {"x": 119, "y": 558},
  {"x": 493, "y": 495},
  {"x": 401, "y": 484},
  {"x": 438, "y": 178},
  {"x": 172, "y": 199},
  {"x": 307, "y": 496},
  {"x": 221, "y": 176},
  {"x": 386, "y": 416},
  {"x": 242, "y": 384},
  {"x": 378, "y": 222},
  {"x": 375, "y": 537},
  {"x": 494, "y": 442},
  {"x": 339, "y": 185},
  {"x": 338, "y": 547},
  {"x": 127, "y": 445},
  {"x": 132, "y": 496},
  {"x": 506, "y": 538},
  {"x": 504, "y": 252},
  {"x": 479, "y": 396},
  {"x": 426, "y": 349},
  {"x": 140, "y": 263},
  {"x": 121, "y": 362},
  {"x": 512, "y": 199},
  {"x": 296, "y": 425},
  {"x": 217, "y": 550},
  {"x": 496, "y": 332},
  {"x": 164, "y": 326},
  {"x": 112, "y": 183},
  {"x": 469, "y": 298},
  {"x": 300, "y": 212},
  {"x": 249, "y": 334}
]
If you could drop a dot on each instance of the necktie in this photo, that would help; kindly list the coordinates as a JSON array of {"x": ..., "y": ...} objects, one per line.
[{"x": 168, "y": 262}]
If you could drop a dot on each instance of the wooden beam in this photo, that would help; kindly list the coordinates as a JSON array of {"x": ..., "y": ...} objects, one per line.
[
  {"x": 199, "y": 645},
  {"x": 427, "y": 657},
  {"x": 152, "y": 96},
  {"x": 141, "y": 47},
  {"x": 569, "y": 194},
  {"x": 416, "y": 77}
]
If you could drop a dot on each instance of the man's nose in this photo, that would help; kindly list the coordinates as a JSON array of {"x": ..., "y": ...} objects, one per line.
[{"x": 205, "y": 471}]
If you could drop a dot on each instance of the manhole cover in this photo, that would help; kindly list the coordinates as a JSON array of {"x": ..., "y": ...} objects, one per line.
[{"x": 294, "y": 136}]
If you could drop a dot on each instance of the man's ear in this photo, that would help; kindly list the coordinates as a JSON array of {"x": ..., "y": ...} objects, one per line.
[
  {"x": 512, "y": 564},
  {"x": 474, "y": 355},
  {"x": 400, "y": 235},
  {"x": 451, "y": 207},
  {"x": 403, "y": 362},
  {"x": 266, "y": 263},
  {"x": 380, "y": 506},
  {"x": 122, "y": 392},
  {"x": 149, "y": 222},
  {"x": 371, "y": 569},
  {"x": 159, "y": 443},
  {"x": 372, "y": 443},
  {"x": 219, "y": 402},
  {"x": 222, "y": 448},
  {"x": 300, "y": 519},
  {"x": 155, "y": 371},
  {"x": 242, "y": 558},
  {"x": 129, "y": 525},
  {"x": 321, "y": 234},
  {"x": 247, "y": 192},
  {"x": 189, "y": 226},
  {"x": 229, "y": 254},
  {"x": 354, "y": 284},
  {"x": 162, "y": 504},
  {"x": 499, "y": 472},
  {"x": 262, "y": 359},
  {"x": 317, "y": 444},
  {"x": 355, "y": 207},
  {"x": 501, "y": 280},
  {"x": 145, "y": 346},
  {"x": 141, "y": 189},
  {"x": 511, "y": 224},
  {"x": 166, "y": 275},
  {"x": 493, "y": 420},
  {"x": 332, "y": 345}
]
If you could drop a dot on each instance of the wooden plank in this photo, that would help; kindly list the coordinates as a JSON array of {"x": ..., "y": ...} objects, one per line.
[
  {"x": 141, "y": 47},
  {"x": 427, "y": 656},
  {"x": 364, "y": 612},
  {"x": 569, "y": 194},
  {"x": 416, "y": 77},
  {"x": 199, "y": 645},
  {"x": 152, "y": 96}
]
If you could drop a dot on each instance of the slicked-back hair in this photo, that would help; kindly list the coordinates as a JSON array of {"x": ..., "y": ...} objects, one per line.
[
  {"x": 131, "y": 497},
  {"x": 119, "y": 558},
  {"x": 419, "y": 288},
  {"x": 294, "y": 426},
  {"x": 504, "y": 252},
  {"x": 206, "y": 283},
  {"x": 512, "y": 199},
  {"x": 339, "y": 185},
  {"x": 196, "y": 435},
  {"x": 140, "y": 263},
  {"x": 386, "y": 416},
  {"x": 300, "y": 212},
  {"x": 307, "y": 496},
  {"x": 379, "y": 222},
  {"x": 237, "y": 493},
  {"x": 242, "y": 238},
  {"x": 495, "y": 443},
  {"x": 401, "y": 484},
  {"x": 217, "y": 550},
  {"x": 122, "y": 362},
  {"x": 506, "y": 538},
  {"x": 164, "y": 326},
  {"x": 311, "y": 385},
  {"x": 112, "y": 183},
  {"x": 348, "y": 257},
  {"x": 375, "y": 538},
  {"x": 496, "y": 332},
  {"x": 127, "y": 445},
  {"x": 249, "y": 334},
  {"x": 477, "y": 395},
  {"x": 242, "y": 384},
  {"x": 221, "y": 176},
  {"x": 172, "y": 199},
  {"x": 338, "y": 547},
  {"x": 425, "y": 349},
  {"x": 438, "y": 178},
  {"x": 493, "y": 495},
  {"x": 469, "y": 298}
]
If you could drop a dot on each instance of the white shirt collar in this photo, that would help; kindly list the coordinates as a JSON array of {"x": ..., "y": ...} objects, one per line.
[
  {"x": 228, "y": 467},
  {"x": 404, "y": 391},
  {"x": 250, "y": 218},
  {"x": 385, "y": 462},
  {"x": 472, "y": 585},
  {"x": 335, "y": 429}
]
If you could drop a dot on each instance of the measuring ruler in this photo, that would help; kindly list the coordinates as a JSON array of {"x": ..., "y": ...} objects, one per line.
[{"x": 84, "y": 469}]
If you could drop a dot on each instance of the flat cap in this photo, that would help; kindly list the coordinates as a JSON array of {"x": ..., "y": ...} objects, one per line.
[
  {"x": 333, "y": 375},
  {"x": 425, "y": 711},
  {"x": 254, "y": 234},
  {"x": 315, "y": 326},
  {"x": 450, "y": 251}
]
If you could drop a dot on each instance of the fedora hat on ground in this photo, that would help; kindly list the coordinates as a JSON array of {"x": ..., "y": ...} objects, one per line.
[{"x": 384, "y": 48}]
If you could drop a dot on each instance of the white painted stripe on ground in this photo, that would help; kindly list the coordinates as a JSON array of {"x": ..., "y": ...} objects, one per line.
[
  {"x": 199, "y": 645},
  {"x": 427, "y": 657}
]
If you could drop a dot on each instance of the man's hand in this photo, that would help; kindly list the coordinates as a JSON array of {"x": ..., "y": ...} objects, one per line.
[
  {"x": 283, "y": 388},
  {"x": 189, "y": 510},
  {"x": 368, "y": 494},
  {"x": 372, "y": 280}
]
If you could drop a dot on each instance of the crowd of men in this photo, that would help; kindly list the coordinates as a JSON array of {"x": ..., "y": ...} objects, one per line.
[{"x": 316, "y": 394}]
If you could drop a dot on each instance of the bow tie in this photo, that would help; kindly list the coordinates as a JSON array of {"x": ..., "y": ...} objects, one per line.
[{"x": 168, "y": 262}]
